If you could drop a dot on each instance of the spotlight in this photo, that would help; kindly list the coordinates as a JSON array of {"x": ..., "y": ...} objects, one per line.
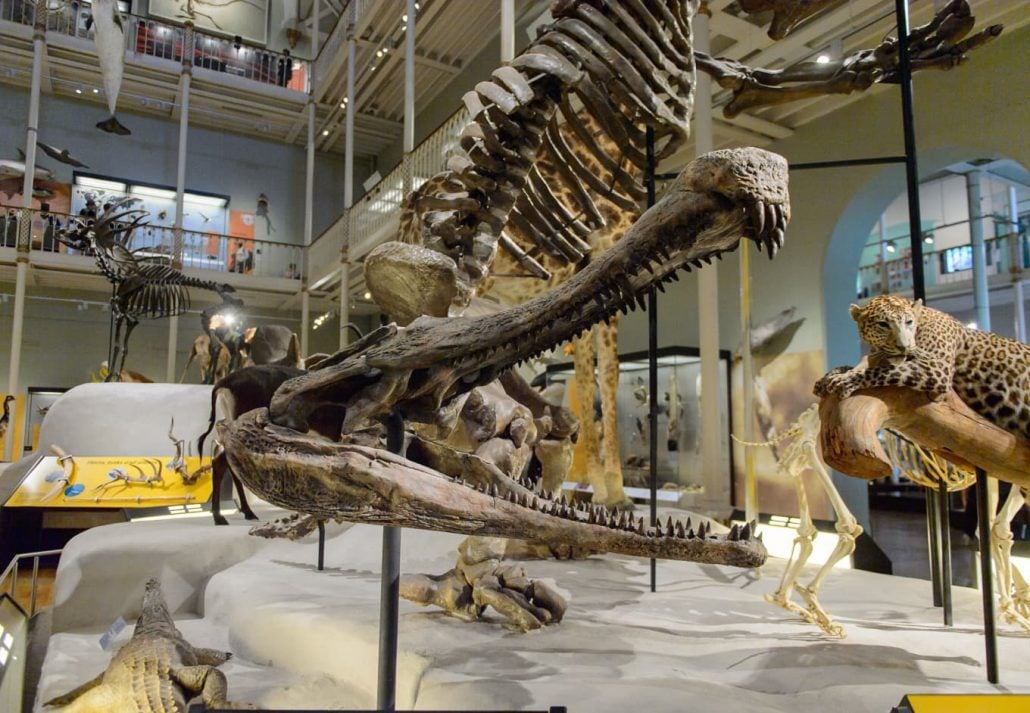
[
  {"x": 325, "y": 132},
  {"x": 78, "y": 91},
  {"x": 368, "y": 295},
  {"x": 95, "y": 90},
  {"x": 822, "y": 59},
  {"x": 928, "y": 238},
  {"x": 890, "y": 246},
  {"x": 379, "y": 53}
]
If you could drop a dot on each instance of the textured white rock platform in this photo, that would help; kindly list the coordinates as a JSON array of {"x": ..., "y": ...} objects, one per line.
[{"x": 706, "y": 641}]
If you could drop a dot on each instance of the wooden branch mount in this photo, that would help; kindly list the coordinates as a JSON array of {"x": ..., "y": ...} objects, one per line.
[{"x": 949, "y": 428}]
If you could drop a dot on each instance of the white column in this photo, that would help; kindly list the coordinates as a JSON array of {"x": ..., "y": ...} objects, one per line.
[
  {"x": 716, "y": 481},
  {"x": 409, "y": 94},
  {"x": 25, "y": 223},
  {"x": 309, "y": 182},
  {"x": 507, "y": 31},
  {"x": 1019, "y": 310},
  {"x": 981, "y": 298},
  {"x": 185, "y": 78},
  {"x": 348, "y": 177}
]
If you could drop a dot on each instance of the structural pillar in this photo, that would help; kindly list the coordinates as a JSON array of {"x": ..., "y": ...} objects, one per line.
[
  {"x": 25, "y": 223},
  {"x": 507, "y": 31},
  {"x": 309, "y": 184},
  {"x": 981, "y": 297},
  {"x": 714, "y": 479},
  {"x": 1016, "y": 267},
  {"x": 348, "y": 177},
  {"x": 185, "y": 77}
]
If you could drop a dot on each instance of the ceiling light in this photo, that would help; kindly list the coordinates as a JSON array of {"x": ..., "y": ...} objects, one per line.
[
  {"x": 100, "y": 184},
  {"x": 823, "y": 59},
  {"x": 325, "y": 132},
  {"x": 890, "y": 246},
  {"x": 928, "y": 238},
  {"x": 95, "y": 90},
  {"x": 368, "y": 295},
  {"x": 193, "y": 199},
  {"x": 152, "y": 192},
  {"x": 379, "y": 53},
  {"x": 386, "y": 50},
  {"x": 343, "y": 104},
  {"x": 78, "y": 91},
  {"x": 404, "y": 17}
]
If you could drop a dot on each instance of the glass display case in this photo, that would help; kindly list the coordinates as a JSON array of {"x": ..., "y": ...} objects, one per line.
[
  {"x": 679, "y": 415},
  {"x": 40, "y": 400}
]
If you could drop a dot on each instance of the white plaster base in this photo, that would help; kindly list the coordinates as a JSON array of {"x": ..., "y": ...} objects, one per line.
[{"x": 706, "y": 641}]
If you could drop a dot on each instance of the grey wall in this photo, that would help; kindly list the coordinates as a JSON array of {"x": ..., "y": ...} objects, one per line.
[{"x": 217, "y": 162}]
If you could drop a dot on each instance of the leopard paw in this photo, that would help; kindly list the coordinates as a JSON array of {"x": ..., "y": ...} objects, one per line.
[{"x": 831, "y": 383}]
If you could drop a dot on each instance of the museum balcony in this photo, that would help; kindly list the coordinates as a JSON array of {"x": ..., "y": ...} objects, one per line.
[
  {"x": 269, "y": 272},
  {"x": 236, "y": 83}
]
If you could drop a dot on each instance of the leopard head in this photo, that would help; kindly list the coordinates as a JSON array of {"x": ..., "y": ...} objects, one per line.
[{"x": 888, "y": 325}]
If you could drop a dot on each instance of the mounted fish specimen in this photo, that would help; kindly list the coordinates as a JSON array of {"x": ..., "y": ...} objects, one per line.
[
  {"x": 61, "y": 155},
  {"x": 110, "y": 41}
]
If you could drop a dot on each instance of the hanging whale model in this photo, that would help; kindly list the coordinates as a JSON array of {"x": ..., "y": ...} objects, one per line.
[{"x": 110, "y": 41}]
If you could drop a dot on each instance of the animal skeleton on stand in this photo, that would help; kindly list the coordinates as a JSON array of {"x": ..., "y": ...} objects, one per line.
[{"x": 144, "y": 287}]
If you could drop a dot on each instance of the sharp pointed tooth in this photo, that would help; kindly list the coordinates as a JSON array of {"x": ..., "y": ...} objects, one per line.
[
  {"x": 524, "y": 500},
  {"x": 591, "y": 518},
  {"x": 535, "y": 502},
  {"x": 757, "y": 212},
  {"x": 690, "y": 525},
  {"x": 702, "y": 531},
  {"x": 680, "y": 533},
  {"x": 640, "y": 526},
  {"x": 562, "y": 500},
  {"x": 642, "y": 302},
  {"x": 658, "y": 529},
  {"x": 734, "y": 533},
  {"x": 690, "y": 533},
  {"x": 674, "y": 277},
  {"x": 745, "y": 532},
  {"x": 670, "y": 531},
  {"x": 660, "y": 286},
  {"x": 493, "y": 489},
  {"x": 613, "y": 521},
  {"x": 771, "y": 216}
]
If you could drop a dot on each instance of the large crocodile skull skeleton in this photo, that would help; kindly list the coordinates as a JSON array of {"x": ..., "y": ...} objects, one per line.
[{"x": 419, "y": 372}]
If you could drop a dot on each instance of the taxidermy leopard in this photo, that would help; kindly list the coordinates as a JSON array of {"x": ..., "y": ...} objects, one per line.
[{"x": 915, "y": 346}]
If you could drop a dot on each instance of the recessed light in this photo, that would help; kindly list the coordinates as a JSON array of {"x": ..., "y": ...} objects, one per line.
[
  {"x": 78, "y": 91},
  {"x": 822, "y": 59},
  {"x": 325, "y": 132},
  {"x": 95, "y": 90}
]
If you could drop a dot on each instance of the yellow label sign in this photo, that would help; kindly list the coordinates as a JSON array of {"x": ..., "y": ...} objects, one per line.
[
  {"x": 113, "y": 481},
  {"x": 975, "y": 703}
]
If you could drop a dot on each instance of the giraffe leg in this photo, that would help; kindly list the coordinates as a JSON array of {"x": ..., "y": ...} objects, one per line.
[
  {"x": 583, "y": 355},
  {"x": 608, "y": 368}
]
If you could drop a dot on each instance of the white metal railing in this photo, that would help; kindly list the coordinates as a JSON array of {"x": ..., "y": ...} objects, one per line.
[
  {"x": 12, "y": 572},
  {"x": 200, "y": 251},
  {"x": 380, "y": 207},
  {"x": 163, "y": 40}
]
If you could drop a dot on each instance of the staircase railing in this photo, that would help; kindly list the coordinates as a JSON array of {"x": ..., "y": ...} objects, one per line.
[{"x": 12, "y": 572}]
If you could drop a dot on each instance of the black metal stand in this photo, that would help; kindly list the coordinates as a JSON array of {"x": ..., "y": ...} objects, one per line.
[
  {"x": 389, "y": 599},
  {"x": 933, "y": 529},
  {"x": 983, "y": 517},
  {"x": 987, "y": 577},
  {"x": 652, "y": 362},
  {"x": 321, "y": 545},
  {"x": 944, "y": 515}
]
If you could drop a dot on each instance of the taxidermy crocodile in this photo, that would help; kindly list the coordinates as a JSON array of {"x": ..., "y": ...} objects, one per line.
[
  {"x": 420, "y": 372},
  {"x": 157, "y": 671}
]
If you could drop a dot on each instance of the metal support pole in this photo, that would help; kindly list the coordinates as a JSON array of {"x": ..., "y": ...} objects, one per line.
[
  {"x": 184, "y": 121},
  {"x": 981, "y": 297},
  {"x": 915, "y": 224},
  {"x": 173, "y": 348},
  {"x": 983, "y": 517},
  {"x": 348, "y": 175},
  {"x": 748, "y": 385},
  {"x": 933, "y": 528},
  {"x": 309, "y": 210},
  {"x": 409, "y": 95},
  {"x": 25, "y": 222},
  {"x": 652, "y": 363},
  {"x": 389, "y": 601},
  {"x": 321, "y": 545},
  {"x": 507, "y": 31},
  {"x": 944, "y": 512},
  {"x": 715, "y": 481}
]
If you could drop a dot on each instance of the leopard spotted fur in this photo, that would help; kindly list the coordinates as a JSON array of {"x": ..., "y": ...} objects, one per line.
[{"x": 921, "y": 348}]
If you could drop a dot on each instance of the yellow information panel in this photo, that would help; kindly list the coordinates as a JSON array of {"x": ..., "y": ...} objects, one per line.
[
  {"x": 113, "y": 481},
  {"x": 976, "y": 703}
]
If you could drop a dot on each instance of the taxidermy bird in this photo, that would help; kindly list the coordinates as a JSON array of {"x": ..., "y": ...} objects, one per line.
[
  {"x": 61, "y": 155},
  {"x": 6, "y": 418},
  {"x": 262, "y": 211},
  {"x": 110, "y": 41}
]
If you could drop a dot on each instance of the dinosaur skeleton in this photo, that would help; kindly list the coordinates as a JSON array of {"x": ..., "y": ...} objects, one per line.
[
  {"x": 144, "y": 287},
  {"x": 924, "y": 467},
  {"x": 802, "y": 454},
  {"x": 420, "y": 372}
]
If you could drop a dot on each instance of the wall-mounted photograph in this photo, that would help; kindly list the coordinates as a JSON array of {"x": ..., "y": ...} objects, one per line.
[{"x": 246, "y": 18}]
